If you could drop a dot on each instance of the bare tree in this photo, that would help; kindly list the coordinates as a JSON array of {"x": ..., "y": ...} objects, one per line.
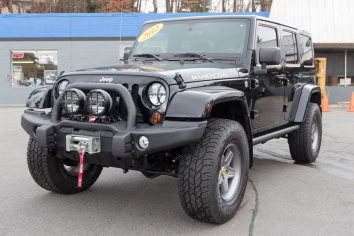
[
  {"x": 169, "y": 5},
  {"x": 33, "y": 7},
  {"x": 9, "y": 5},
  {"x": 154, "y": 3},
  {"x": 253, "y": 6}
]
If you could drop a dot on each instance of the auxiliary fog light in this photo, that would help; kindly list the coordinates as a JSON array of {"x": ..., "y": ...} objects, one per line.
[
  {"x": 143, "y": 142},
  {"x": 73, "y": 101},
  {"x": 99, "y": 102}
]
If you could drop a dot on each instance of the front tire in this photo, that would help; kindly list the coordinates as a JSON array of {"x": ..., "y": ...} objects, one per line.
[
  {"x": 305, "y": 143},
  {"x": 213, "y": 172},
  {"x": 52, "y": 174}
]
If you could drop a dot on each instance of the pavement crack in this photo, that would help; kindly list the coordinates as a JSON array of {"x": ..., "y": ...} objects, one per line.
[{"x": 255, "y": 210}]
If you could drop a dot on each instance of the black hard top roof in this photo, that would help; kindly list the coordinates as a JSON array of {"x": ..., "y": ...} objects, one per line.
[{"x": 251, "y": 17}]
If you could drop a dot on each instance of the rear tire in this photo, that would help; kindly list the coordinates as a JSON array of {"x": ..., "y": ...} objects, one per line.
[
  {"x": 305, "y": 143},
  {"x": 50, "y": 173},
  {"x": 206, "y": 187}
]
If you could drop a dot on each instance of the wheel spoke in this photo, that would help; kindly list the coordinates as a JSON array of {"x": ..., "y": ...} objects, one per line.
[
  {"x": 230, "y": 172},
  {"x": 313, "y": 128},
  {"x": 221, "y": 178},
  {"x": 224, "y": 186},
  {"x": 228, "y": 157}
]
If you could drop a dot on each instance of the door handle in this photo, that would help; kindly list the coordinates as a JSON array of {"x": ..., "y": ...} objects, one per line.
[{"x": 280, "y": 77}]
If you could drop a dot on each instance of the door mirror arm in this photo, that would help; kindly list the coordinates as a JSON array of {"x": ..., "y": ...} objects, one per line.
[
  {"x": 127, "y": 52},
  {"x": 256, "y": 71}
]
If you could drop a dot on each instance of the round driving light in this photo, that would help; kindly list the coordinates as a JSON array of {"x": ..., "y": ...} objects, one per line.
[
  {"x": 143, "y": 142},
  {"x": 99, "y": 102},
  {"x": 73, "y": 101},
  {"x": 157, "y": 94}
]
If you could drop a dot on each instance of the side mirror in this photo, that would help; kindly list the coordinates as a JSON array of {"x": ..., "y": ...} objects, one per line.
[
  {"x": 269, "y": 56},
  {"x": 127, "y": 51}
]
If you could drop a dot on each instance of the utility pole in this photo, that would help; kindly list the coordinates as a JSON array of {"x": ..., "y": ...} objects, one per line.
[{"x": 204, "y": 5}]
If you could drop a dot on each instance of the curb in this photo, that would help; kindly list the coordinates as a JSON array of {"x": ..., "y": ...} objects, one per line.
[
  {"x": 12, "y": 105},
  {"x": 339, "y": 106}
]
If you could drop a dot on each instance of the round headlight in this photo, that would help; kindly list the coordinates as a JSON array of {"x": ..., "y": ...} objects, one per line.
[
  {"x": 73, "y": 101},
  {"x": 99, "y": 102},
  {"x": 157, "y": 94},
  {"x": 60, "y": 87}
]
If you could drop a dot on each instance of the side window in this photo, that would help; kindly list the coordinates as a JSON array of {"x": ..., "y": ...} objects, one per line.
[
  {"x": 290, "y": 47},
  {"x": 306, "y": 47},
  {"x": 266, "y": 38}
]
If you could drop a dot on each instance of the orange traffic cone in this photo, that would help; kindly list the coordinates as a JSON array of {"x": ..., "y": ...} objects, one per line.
[
  {"x": 351, "y": 106},
  {"x": 325, "y": 107}
]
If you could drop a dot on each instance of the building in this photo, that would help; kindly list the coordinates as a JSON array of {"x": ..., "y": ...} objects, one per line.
[
  {"x": 35, "y": 48},
  {"x": 331, "y": 25}
]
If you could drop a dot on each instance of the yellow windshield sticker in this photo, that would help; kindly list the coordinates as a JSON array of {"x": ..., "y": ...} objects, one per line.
[{"x": 150, "y": 32}]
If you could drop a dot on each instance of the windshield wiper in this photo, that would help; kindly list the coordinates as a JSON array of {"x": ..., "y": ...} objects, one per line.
[
  {"x": 148, "y": 55},
  {"x": 194, "y": 55}
]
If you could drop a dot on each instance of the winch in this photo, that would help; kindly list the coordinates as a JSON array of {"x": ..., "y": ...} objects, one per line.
[{"x": 88, "y": 144}]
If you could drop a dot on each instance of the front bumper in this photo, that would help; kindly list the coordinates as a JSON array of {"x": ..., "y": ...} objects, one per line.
[{"x": 116, "y": 139}]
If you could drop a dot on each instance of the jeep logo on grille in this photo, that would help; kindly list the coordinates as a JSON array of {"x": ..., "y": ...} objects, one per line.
[{"x": 106, "y": 80}]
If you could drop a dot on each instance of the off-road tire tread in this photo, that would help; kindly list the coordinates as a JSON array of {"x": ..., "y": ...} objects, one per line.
[
  {"x": 39, "y": 170},
  {"x": 298, "y": 144},
  {"x": 37, "y": 165},
  {"x": 194, "y": 182}
]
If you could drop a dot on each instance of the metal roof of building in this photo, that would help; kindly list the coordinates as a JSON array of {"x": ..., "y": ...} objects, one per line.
[{"x": 330, "y": 22}]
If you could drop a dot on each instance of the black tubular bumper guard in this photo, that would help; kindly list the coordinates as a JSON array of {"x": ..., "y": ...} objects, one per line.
[{"x": 120, "y": 139}]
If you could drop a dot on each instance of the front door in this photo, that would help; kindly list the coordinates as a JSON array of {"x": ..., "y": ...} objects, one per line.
[{"x": 269, "y": 97}]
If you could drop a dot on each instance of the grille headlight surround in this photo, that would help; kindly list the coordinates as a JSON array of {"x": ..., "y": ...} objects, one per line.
[
  {"x": 156, "y": 94},
  {"x": 99, "y": 102},
  {"x": 73, "y": 101}
]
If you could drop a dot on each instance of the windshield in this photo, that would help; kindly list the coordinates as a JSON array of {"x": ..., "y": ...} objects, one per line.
[{"x": 212, "y": 37}]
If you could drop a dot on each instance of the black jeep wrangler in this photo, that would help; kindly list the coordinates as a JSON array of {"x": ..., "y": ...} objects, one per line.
[{"x": 193, "y": 97}]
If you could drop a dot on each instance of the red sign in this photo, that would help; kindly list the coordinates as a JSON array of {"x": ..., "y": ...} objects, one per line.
[{"x": 18, "y": 55}]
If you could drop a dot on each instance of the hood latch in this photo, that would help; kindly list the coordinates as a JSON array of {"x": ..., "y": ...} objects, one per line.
[{"x": 180, "y": 81}]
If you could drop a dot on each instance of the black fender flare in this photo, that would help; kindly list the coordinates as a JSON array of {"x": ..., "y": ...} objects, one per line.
[
  {"x": 40, "y": 98},
  {"x": 302, "y": 98},
  {"x": 192, "y": 103}
]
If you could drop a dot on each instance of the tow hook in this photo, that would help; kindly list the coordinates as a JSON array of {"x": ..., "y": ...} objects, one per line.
[{"x": 81, "y": 151}]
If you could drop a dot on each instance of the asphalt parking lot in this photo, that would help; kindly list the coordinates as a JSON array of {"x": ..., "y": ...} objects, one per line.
[{"x": 282, "y": 198}]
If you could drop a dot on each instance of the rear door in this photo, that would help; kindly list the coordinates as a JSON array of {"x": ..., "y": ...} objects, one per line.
[
  {"x": 269, "y": 100},
  {"x": 307, "y": 59},
  {"x": 292, "y": 69}
]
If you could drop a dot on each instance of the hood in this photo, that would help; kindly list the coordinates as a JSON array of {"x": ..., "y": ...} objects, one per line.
[{"x": 190, "y": 71}]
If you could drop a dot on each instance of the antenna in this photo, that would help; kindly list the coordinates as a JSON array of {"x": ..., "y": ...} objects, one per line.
[{"x": 120, "y": 29}]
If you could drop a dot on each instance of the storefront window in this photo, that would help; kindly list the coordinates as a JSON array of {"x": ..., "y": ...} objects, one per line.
[
  {"x": 339, "y": 81},
  {"x": 34, "y": 68}
]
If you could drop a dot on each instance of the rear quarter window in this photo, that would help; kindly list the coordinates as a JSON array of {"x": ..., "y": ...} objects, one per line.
[{"x": 307, "y": 52}]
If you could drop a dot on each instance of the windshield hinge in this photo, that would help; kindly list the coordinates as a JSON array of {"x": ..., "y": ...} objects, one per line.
[{"x": 180, "y": 81}]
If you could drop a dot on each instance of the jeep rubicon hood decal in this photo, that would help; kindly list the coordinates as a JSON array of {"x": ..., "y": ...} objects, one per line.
[{"x": 191, "y": 72}]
